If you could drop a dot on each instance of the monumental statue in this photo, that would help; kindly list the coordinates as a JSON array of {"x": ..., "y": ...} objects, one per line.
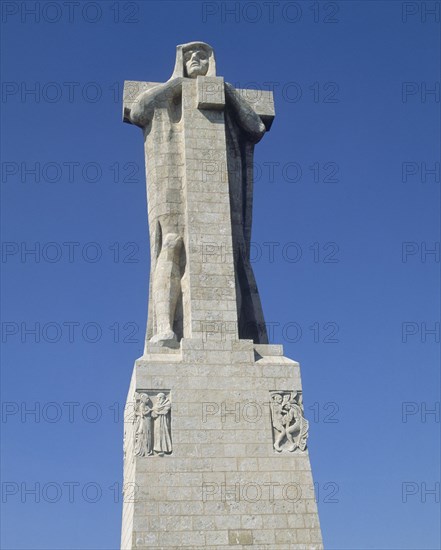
[
  {"x": 158, "y": 111},
  {"x": 214, "y": 412}
]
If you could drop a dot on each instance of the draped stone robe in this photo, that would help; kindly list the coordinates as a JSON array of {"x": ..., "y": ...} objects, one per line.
[{"x": 165, "y": 170}]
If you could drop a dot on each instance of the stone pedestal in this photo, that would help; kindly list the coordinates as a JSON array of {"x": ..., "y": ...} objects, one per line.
[{"x": 223, "y": 485}]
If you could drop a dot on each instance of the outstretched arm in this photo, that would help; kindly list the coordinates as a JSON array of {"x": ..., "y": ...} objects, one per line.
[
  {"x": 248, "y": 119},
  {"x": 141, "y": 113}
]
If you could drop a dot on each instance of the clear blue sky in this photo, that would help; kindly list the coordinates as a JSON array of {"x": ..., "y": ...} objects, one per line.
[{"x": 349, "y": 190}]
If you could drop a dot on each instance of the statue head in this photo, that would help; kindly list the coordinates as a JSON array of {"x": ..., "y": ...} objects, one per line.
[
  {"x": 277, "y": 398},
  {"x": 160, "y": 397},
  {"x": 196, "y": 62},
  {"x": 194, "y": 59}
]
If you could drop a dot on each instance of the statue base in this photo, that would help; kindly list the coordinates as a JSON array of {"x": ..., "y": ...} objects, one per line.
[{"x": 222, "y": 483}]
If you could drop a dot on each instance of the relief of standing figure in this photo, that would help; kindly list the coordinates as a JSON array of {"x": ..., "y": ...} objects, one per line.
[
  {"x": 162, "y": 442},
  {"x": 297, "y": 430},
  {"x": 143, "y": 425},
  {"x": 278, "y": 420}
]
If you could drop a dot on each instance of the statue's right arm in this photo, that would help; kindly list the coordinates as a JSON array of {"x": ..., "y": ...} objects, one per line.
[
  {"x": 144, "y": 106},
  {"x": 142, "y": 109}
]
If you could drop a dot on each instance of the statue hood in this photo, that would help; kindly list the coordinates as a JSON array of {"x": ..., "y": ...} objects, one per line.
[{"x": 179, "y": 69}]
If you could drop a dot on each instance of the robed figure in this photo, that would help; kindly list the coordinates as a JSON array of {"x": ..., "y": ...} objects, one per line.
[
  {"x": 143, "y": 425},
  {"x": 162, "y": 442},
  {"x": 158, "y": 111}
]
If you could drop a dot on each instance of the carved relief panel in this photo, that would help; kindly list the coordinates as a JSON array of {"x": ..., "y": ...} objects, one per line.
[
  {"x": 152, "y": 423},
  {"x": 290, "y": 427}
]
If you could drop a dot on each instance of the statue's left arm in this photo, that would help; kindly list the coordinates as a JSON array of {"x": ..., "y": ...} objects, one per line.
[{"x": 247, "y": 118}]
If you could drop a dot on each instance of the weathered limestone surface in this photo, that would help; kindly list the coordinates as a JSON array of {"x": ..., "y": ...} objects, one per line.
[{"x": 215, "y": 451}]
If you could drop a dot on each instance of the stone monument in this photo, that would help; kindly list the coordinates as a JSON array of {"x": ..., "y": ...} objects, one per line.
[{"x": 215, "y": 437}]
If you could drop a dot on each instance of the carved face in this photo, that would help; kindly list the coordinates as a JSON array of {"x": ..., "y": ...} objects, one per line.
[
  {"x": 196, "y": 62},
  {"x": 161, "y": 397},
  {"x": 277, "y": 398}
]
